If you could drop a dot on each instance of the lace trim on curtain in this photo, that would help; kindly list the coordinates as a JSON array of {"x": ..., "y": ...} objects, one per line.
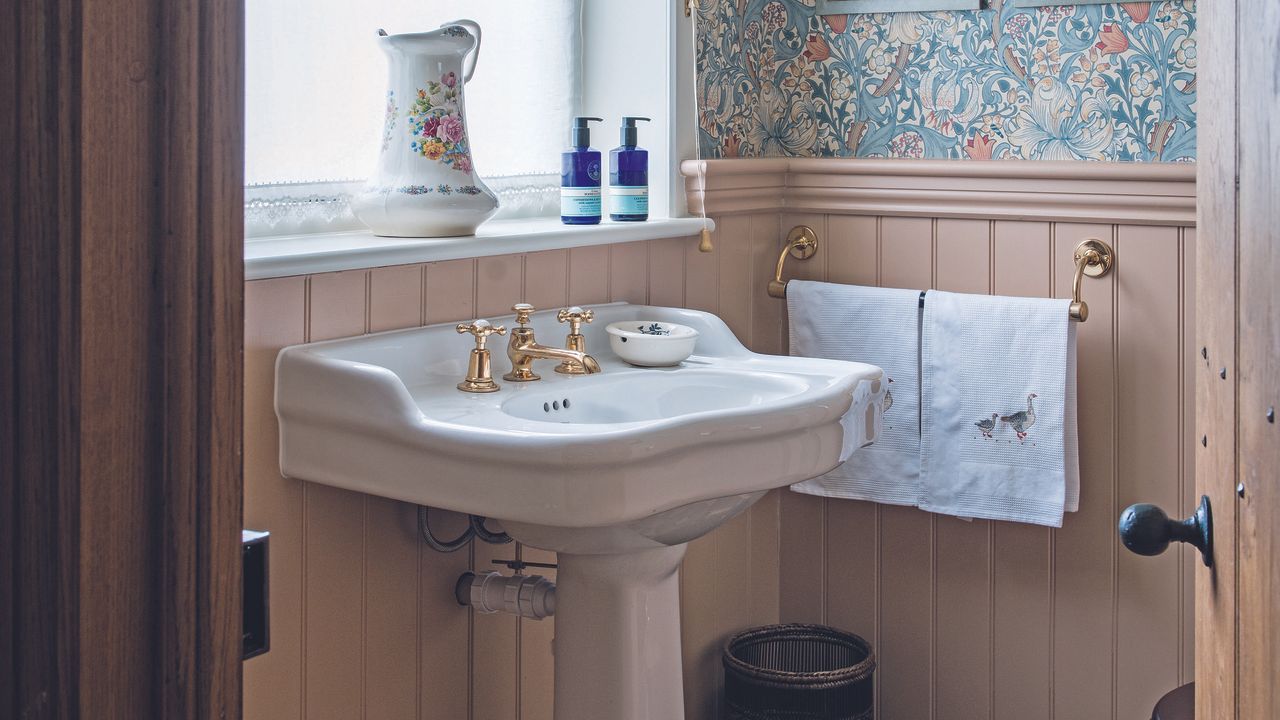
[{"x": 323, "y": 207}]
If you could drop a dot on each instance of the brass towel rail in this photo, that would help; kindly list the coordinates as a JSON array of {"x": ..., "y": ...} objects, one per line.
[{"x": 1094, "y": 258}]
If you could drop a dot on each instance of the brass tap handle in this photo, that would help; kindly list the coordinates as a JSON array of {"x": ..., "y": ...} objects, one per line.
[
  {"x": 481, "y": 329},
  {"x": 479, "y": 373},
  {"x": 523, "y": 311},
  {"x": 575, "y": 316}
]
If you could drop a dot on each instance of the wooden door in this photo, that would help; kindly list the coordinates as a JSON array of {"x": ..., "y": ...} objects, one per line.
[
  {"x": 121, "y": 216},
  {"x": 1238, "y": 383}
]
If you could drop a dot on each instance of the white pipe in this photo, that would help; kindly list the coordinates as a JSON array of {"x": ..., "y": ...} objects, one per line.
[{"x": 531, "y": 596}]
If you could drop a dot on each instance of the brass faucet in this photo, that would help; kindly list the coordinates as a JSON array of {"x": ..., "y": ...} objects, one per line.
[
  {"x": 575, "y": 316},
  {"x": 523, "y": 349}
]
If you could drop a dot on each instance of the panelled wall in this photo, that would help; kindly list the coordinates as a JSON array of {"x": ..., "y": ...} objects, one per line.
[
  {"x": 363, "y": 620},
  {"x": 990, "y": 619},
  {"x": 969, "y": 619}
]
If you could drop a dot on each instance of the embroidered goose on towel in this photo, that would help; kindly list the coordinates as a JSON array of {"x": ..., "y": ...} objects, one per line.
[
  {"x": 1021, "y": 422},
  {"x": 998, "y": 415}
]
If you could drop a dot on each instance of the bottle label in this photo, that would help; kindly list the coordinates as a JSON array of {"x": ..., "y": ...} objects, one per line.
[
  {"x": 628, "y": 200},
  {"x": 580, "y": 201}
]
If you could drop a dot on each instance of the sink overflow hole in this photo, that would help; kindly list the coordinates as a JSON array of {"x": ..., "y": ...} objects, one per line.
[{"x": 555, "y": 405}]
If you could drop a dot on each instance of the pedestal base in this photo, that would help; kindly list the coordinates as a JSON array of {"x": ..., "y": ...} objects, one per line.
[{"x": 617, "y": 644}]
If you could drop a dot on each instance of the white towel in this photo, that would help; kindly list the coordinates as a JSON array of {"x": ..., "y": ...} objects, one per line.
[
  {"x": 1008, "y": 363},
  {"x": 879, "y": 326}
]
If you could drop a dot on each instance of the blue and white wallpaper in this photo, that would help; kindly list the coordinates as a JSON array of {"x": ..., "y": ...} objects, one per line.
[{"x": 1068, "y": 82}]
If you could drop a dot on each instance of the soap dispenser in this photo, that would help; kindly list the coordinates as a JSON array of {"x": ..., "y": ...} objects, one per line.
[
  {"x": 629, "y": 176},
  {"x": 580, "y": 177}
]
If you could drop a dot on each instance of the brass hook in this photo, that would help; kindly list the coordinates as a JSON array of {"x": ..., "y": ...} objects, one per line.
[
  {"x": 802, "y": 243},
  {"x": 1094, "y": 258}
]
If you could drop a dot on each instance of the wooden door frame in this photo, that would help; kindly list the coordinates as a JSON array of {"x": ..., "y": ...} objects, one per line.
[
  {"x": 1238, "y": 385},
  {"x": 121, "y": 294},
  {"x": 1216, "y": 171}
]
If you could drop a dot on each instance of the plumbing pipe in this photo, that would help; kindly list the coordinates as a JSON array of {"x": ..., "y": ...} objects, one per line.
[
  {"x": 487, "y": 535},
  {"x": 444, "y": 546},
  {"x": 531, "y": 596}
]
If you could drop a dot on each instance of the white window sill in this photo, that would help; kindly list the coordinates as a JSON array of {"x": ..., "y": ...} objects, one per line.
[{"x": 286, "y": 255}]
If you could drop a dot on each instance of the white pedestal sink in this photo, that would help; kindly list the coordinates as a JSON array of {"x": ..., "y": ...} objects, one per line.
[{"x": 615, "y": 471}]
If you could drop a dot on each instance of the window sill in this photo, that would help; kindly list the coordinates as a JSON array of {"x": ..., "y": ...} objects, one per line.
[{"x": 287, "y": 255}]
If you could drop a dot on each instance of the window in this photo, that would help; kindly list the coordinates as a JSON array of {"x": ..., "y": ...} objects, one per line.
[{"x": 316, "y": 84}]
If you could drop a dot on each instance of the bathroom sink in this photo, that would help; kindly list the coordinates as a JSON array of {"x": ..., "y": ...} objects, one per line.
[
  {"x": 381, "y": 414},
  {"x": 615, "y": 471}
]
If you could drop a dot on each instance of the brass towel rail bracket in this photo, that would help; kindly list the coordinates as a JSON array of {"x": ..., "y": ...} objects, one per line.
[
  {"x": 802, "y": 243},
  {"x": 1094, "y": 258}
]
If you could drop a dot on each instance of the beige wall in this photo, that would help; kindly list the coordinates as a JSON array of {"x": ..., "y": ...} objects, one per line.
[{"x": 970, "y": 620}]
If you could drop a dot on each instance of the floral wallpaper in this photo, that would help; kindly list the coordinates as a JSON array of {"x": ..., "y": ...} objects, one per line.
[{"x": 1068, "y": 82}]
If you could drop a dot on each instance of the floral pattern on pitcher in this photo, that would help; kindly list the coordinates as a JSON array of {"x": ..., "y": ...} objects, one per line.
[
  {"x": 389, "y": 120},
  {"x": 436, "y": 125},
  {"x": 442, "y": 189}
]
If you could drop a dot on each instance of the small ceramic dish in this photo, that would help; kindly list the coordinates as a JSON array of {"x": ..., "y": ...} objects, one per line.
[{"x": 651, "y": 344}]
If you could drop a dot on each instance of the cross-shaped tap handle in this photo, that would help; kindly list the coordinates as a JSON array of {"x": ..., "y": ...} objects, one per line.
[
  {"x": 523, "y": 311},
  {"x": 481, "y": 329},
  {"x": 575, "y": 316}
]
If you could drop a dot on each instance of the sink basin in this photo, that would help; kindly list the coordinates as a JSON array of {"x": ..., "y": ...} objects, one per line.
[
  {"x": 634, "y": 397},
  {"x": 380, "y": 414},
  {"x": 615, "y": 471}
]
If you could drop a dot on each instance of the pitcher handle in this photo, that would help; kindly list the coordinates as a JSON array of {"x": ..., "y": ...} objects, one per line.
[{"x": 469, "y": 64}]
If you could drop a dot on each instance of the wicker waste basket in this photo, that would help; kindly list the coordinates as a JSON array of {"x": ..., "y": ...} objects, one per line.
[{"x": 797, "y": 672}]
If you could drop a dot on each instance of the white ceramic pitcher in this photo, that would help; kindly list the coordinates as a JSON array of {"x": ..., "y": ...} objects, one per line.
[{"x": 425, "y": 184}]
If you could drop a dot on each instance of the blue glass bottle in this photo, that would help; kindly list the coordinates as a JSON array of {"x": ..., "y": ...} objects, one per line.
[
  {"x": 629, "y": 176},
  {"x": 580, "y": 177}
]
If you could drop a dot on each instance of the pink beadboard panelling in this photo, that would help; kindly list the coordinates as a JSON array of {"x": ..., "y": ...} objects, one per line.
[
  {"x": 546, "y": 278},
  {"x": 970, "y": 619},
  {"x": 906, "y": 564},
  {"x": 804, "y": 516},
  {"x": 1186, "y": 473},
  {"x": 1021, "y": 646},
  {"x": 1085, "y": 549},
  {"x": 1149, "y": 373},
  {"x": 851, "y": 528},
  {"x": 629, "y": 273},
  {"x": 589, "y": 275},
  {"x": 998, "y": 620},
  {"x": 334, "y": 535},
  {"x": 730, "y": 578},
  {"x": 962, "y": 574},
  {"x": 276, "y": 311},
  {"x": 391, "y": 547}
]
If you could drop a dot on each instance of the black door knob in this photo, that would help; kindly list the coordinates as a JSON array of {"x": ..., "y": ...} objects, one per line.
[{"x": 1147, "y": 530}]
